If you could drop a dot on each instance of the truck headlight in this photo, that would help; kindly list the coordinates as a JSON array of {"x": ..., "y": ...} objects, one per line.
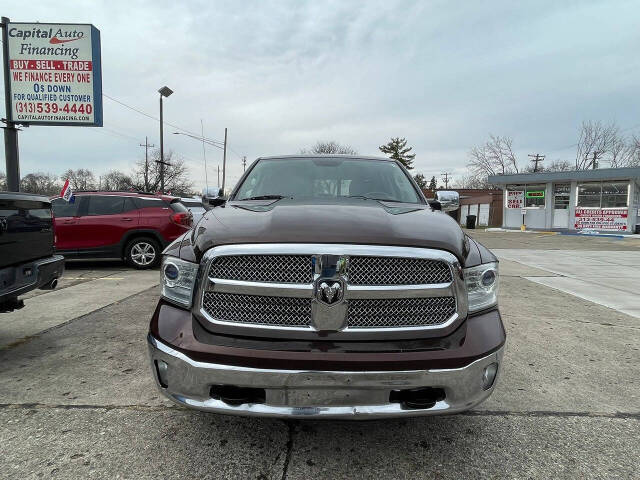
[
  {"x": 177, "y": 280},
  {"x": 482, "y": 286}
]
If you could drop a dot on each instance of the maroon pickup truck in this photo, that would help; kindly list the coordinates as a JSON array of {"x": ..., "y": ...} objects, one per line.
[{"x": 327, "y": 287}]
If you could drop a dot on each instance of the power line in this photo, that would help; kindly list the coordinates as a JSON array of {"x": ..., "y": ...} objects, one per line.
[{"x": 152, "y": 117}]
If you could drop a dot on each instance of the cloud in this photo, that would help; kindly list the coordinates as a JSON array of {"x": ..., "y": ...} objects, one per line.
[{"x": 283, "y": 74}]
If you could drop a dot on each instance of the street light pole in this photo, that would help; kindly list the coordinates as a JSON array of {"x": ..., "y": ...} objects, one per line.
[
  {"x": 161, "y": 149},
  {"x": 164, "y": 92}
]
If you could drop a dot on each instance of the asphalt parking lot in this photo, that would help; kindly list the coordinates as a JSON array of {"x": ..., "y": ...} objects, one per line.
[{"x": 77, "y": 399}]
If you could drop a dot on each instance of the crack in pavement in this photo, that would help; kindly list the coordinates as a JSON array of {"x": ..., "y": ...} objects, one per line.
[{"x": 293, "y": 424}]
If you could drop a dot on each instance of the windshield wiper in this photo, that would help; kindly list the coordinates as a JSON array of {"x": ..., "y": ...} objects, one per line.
[
  {"x": 377, "y": 199},
  {"x": 263, "y": 197}
]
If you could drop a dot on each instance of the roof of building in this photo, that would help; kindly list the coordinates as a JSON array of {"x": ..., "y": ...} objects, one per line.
[{"x": 586, "y": 175}]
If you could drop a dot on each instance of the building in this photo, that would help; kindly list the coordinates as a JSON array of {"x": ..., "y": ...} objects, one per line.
[
  {"x": 604, "y": 200},
  {"x": 485, "y": 204}
]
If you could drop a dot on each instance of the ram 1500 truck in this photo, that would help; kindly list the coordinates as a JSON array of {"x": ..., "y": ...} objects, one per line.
[
  {"x": 27, "y": 239},
  {"x": 327, "y": 287}
]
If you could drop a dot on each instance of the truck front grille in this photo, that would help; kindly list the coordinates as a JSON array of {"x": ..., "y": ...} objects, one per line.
[
  {"x": 397, "y": 271},
  {"x": 258, "y": 309},
  {"x": 399, "y": 312},
  {"x": 381, "y": 288},
  {"x": 264, "y": 268}
]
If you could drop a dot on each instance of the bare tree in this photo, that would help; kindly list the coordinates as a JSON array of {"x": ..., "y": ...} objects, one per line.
[
  {"x": 472, "y": 181},
  {"x": 329, "y": 148},
  {"x": 115, "y": 180},
  {"x": 40, "y": 183},
  {"x": 146, "y": 175},
  {"x": 595, "y": 142},
  {"x": 81, "y": 179},
  {"x": 495, "y": 157}
]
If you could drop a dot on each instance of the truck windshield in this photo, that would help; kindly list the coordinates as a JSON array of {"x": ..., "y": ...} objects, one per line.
[{"x": 321, "y": 178}]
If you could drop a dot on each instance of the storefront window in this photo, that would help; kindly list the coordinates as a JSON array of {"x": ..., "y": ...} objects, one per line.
[
  {"x": 589, "y": 194},
  {"x": 535, "y": 196},
  {"x": 603, "y": 194},
  {"x": 561, "y": 194},
  {"x": 614, "y": 194},
  {"x": 515, "y": 196}
]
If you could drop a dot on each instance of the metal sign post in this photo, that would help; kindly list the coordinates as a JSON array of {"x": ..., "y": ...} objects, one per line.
[{"x": 10, "y": 130}]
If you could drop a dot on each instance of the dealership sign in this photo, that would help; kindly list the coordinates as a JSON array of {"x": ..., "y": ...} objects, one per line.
[
  {"x": 55, "y": 74},
  {"x": 515, "y": 199},
  {"x": 601, "y": 218}
]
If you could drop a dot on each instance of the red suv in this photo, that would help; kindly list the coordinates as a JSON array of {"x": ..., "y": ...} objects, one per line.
[{"x": 131, "y": 226}]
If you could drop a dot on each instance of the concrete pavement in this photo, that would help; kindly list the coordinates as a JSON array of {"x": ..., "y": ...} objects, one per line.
[{"x": 78, "y": 401}]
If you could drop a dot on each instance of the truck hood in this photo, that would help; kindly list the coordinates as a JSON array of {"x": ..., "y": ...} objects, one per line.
[{"x": 350, "y": 221}]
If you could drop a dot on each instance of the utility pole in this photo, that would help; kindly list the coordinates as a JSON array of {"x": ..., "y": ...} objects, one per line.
[
  {"x": 224, "y": 159},
  {"x": 10, "y": 130},
  {"x": 218, "y": 177},
  {"x": 244, "y": 163},
  {"x": 445, "y": 177},
  {"x": 146, "y": 146},
  {"x": 536, "y": 159}
]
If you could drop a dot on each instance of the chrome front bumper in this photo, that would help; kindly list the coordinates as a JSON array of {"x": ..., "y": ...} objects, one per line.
[{"x": 319, "y": 394}]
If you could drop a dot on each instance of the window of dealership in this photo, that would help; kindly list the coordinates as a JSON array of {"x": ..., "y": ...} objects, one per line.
[{"x": 603, "y": 200}]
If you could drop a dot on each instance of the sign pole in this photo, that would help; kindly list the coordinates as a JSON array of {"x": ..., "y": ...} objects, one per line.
[{"x": 10, "y": 130}]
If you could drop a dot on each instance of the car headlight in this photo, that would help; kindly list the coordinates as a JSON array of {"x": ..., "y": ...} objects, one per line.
[
  {"x": 482, "y": 286},
  {"x": 177, "y": 280}
]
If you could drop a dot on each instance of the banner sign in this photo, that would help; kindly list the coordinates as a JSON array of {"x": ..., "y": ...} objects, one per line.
[
  {"x": 515, "y": 199},
  {"x": 55, "y": 74},
  {"x": 601, "y": 218},
  {"x": 535, "y": 194}
]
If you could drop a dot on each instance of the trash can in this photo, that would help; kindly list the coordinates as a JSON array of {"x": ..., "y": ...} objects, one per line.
[{"x": 471, "y": 221}]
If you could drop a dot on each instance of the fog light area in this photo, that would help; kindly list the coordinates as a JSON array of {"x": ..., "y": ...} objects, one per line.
[
  {"x": 489, "y": 375},
  {"x": 162, "y": 369}
]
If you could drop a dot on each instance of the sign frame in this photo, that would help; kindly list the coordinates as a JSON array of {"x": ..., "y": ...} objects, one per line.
[
  {"x": 96, "y": 58},
  {"x": 535, "y": 194}
]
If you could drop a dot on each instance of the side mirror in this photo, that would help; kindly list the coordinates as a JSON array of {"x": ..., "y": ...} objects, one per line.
[
  {"x": 216, "y": 202},
  {"x": 435, "y": 205},
  {"x": 449, "y": 200}
]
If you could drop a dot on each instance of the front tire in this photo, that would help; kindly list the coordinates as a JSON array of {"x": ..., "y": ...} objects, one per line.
[{"x": 142, "y": 253}]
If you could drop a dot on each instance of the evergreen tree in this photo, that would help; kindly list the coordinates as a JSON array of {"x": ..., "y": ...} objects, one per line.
[
  {"x": 420, "y": 180},
  {"x": 398, "y": 150},
  {"x": 432, "y": 184}
]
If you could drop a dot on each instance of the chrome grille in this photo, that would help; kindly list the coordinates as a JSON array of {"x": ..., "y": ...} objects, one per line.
[
  {"x": 397, "y": 271},
  {"x": 264, "y": 268},
  {"x": 399, "y": 312},
  {"x": 258, "y": 309}
]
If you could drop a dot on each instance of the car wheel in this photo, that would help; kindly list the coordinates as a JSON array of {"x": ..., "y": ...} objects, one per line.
[{"x": 142, "y": 253}]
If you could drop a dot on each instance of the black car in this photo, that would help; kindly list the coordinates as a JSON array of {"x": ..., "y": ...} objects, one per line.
[{"x": 27, "y": 240}]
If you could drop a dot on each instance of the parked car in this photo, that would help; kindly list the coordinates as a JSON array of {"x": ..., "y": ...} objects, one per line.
[
  {"x": 130, "y": 226},
  {"x": 327, "y": 287},
  {"x": 27, "y": 260},
  {"x": 196, "y": 207}
]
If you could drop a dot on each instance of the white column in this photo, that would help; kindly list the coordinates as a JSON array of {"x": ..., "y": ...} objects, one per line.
[{"x": 573, "y": 195}]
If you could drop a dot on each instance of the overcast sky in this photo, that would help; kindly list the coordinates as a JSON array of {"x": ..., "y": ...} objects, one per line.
[{"x": 283, "y": 74}]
